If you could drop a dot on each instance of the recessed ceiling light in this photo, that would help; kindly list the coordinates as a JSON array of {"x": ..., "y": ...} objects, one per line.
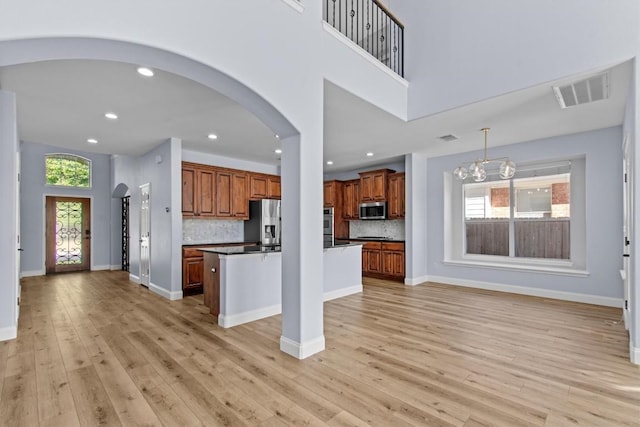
[
  {"x": 212, "y": 136},
  {"x": 92, "y": 141},
  {"x": 329, "y": 162},
  {"x": 369, "y": 154},
  {"x": 111, "y": 116},
  {"x": 278, "y": 151},
  {"x": 276, "y": 136},
  {"x": 144, "y": 71}
]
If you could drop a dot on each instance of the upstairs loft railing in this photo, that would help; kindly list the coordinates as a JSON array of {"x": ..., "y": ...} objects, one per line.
[{"x": 371, "y": 26}]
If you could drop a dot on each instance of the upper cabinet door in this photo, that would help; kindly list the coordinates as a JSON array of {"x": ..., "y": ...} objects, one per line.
[
  {"x": 223, "y": 194},
  {"x": 396, "y": 195},
  {"x": 258, "y": 187},
  {"x": 188, "y": 191},
  {"x": 329, "y": 194},
  {"x": 206, "y": 195},
  {"x": 274, "y": 190},
  {"x": 239, "y": 195},
  {"x": 373, "y": 185}
]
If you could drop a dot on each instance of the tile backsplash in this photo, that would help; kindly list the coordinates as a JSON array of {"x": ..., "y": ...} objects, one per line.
[
  {"x": 391, "y": 229},
  {"x": 201, "y": 231}
]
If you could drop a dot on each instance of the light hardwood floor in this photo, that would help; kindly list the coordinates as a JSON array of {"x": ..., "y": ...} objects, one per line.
[{"x": 95, "y": 349}]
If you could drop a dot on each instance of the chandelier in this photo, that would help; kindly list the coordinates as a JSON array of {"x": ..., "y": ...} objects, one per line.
[{"x": 477, "y": 169}]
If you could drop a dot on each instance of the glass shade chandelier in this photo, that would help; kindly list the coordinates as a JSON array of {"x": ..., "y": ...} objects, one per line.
[{"x": 477, "y": 169}]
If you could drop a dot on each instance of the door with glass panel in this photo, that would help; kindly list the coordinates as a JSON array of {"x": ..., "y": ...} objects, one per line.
[{"x": 68, "y": 234}]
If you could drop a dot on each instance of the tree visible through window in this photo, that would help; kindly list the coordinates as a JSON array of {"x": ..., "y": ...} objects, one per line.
[{"x": 68, "y": 170}]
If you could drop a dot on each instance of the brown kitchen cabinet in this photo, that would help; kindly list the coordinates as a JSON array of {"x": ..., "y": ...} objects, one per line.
[
  {"x": 393, "y": 259},
  {"x": 332, "y": 194},
  {"x": 193, "y": 266},
  {"x": 371, "y": 261},
  {"x": 263, "y": 186},
  {"x": 373, "y": 185},
  {"x": 198, "y": 191},
  {"x": 351, "y": 199},
  {"x": 191, "y": 271},
  {"x": 274, "y": 188},
  {"x": 384, "y": 260},
  {"x": 396, "y": 196},
  {"x": 232, "y": 196}
]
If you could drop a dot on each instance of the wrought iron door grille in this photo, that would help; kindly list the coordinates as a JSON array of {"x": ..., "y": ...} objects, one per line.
[
  {"x": 68, "y": 233},
  {"x": 125, "y": 233}
]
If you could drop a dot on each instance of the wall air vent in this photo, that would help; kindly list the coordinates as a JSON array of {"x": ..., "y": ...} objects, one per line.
[
  {"x": 448, "y": 138},
  {"x": 594, "y": 88}
]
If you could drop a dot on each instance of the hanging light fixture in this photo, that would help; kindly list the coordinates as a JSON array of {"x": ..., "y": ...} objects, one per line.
[{"x": 477, "y": 169}]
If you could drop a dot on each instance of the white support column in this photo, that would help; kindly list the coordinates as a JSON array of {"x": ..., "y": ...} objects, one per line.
[
  {"x": 8, "y": 217},
  {"x": 634, "y": 300},
  {"x": 302, "y": 255},
  {"x": 416, "y": 219}
]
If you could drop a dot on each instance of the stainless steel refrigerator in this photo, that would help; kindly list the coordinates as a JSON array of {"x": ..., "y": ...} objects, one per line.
[{"x": 263, "y": 225}]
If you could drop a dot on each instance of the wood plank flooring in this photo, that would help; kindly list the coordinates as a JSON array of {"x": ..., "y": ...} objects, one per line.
[{"x": 94, "y": 349}]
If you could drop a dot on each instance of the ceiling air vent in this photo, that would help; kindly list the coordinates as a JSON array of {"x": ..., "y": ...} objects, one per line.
[
  {"x": 448, "y": 138},
  {"x": 589, "y": 90}
]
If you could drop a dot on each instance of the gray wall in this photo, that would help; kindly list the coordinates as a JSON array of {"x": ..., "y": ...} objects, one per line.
[
  {"x": 159, "y": 175},
  {"x": 33, "y": 191},
  {"x": 8, "y": 216},
  {"x": 603, "y": 152}
]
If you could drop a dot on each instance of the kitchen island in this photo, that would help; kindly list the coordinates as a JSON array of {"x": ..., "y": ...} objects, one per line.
[{"x": 243, "y": 284}]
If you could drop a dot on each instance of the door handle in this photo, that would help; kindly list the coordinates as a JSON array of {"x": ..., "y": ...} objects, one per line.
[
  {"x": 20, "y": 250},
  {"x": 626, "y": 255}
]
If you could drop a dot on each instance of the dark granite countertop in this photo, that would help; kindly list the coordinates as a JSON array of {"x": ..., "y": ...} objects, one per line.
[
  {"x": 371, "y": 239},
  {"x": 193, "y": 244},
  {"x": 256, "y": 249}
]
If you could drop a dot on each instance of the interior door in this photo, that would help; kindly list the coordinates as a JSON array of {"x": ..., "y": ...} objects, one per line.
[
  {"x": 19, "y": 244},
  {"x": 68, "y": 234},
  {"x": 627, "y": 216},
  {"x": 145, "y": 234}
]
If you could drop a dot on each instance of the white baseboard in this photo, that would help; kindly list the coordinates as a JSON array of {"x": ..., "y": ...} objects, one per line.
[
  {"x": 248, "y": 316},
  {"x": 170, "y": 295},
  {"x": 100, "y": 267},
  {"x": 302, "y": 350},
  {"x": 133, "y": 278},
  {"x": 9, "y": 333},
  {"x": 536, "y": 292},
  {"x": 413, "y": 281},
  {"x": 33, "y": 273},
  {"x": 634, "y": 353},
  {"x": 339, "y": 293},
  {"x": 115, "y": 267}
]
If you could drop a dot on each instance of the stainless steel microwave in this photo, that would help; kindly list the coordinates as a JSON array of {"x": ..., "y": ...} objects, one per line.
[{"x": 375, "y": 210}]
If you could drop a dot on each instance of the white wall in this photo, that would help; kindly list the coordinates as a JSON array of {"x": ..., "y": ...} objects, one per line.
[
  {"x": 32, "y": 217},
  {"x": 8, "y": 233},
  {"x": 603, "y": 153},
  {"x": 459, "y": 52},
  {"x": 631, "y": 127}
]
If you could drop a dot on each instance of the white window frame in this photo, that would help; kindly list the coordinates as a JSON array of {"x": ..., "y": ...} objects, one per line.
[{"x": 454, "y": 235}]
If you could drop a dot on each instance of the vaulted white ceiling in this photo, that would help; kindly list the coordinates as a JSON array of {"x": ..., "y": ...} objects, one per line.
[{"x": 63, "y": 103}]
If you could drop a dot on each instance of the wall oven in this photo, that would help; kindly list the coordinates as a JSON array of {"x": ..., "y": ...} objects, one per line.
[
  {"x": 375, "y": 210},
  {"x": 327, "y": 227}
]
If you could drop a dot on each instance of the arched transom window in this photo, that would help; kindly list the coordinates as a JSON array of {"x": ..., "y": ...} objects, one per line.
[{"x": 67, "y": 170}]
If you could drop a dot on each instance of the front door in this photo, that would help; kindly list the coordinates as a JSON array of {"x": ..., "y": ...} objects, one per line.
[{"x": 68, "y": 234}]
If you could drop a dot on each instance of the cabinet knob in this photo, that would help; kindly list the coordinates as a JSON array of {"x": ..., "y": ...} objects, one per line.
[{"x": 213, "y": 270}]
